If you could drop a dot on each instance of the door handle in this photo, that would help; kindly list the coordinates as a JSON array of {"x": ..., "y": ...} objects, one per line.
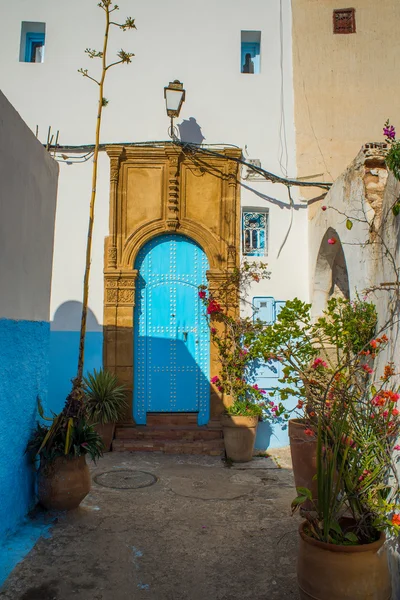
[{"x": 185, "y": 334}]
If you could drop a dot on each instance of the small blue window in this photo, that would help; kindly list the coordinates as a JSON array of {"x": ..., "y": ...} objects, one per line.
[
  {"x": 32, "y": 42},
  {"x": 250, "y": 52},
  {"x": 255, "y": 233}
]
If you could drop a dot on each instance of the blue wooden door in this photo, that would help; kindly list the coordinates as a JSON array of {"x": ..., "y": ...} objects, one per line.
[{"x": 171, "y": 337}]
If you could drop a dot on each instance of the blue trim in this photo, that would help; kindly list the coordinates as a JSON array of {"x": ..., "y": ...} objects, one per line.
[{"x": 30, "y": 40}]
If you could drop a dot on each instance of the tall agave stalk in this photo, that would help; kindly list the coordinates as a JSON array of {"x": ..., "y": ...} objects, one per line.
[{"x": 74, "y": 411}]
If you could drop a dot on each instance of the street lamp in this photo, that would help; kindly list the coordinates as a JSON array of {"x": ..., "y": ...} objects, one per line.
[{"x": 174, "y": 96}]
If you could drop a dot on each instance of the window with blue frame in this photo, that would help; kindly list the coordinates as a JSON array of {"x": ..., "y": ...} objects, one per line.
[
  {"x": 255, "y": 233},
  {"x": 250, "y": 52},
  {"x": 32, "y": 44}
]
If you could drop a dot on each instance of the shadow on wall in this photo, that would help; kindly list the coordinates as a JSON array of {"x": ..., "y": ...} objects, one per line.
[
  {"x": 190, "y": 131},
  {"x": 331, "y": 276},
  {"x": 64, "y": 348}
]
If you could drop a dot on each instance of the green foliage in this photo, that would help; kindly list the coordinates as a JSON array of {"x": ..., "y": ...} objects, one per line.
[
  {"x": 78, "y": 438},
  {"x": 104, "y": 397},
  {"x": 393, "y": 159},
  {"x": 241, "y": 408}
]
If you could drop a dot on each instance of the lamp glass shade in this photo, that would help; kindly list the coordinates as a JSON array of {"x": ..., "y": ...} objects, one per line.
[{"x": 174, "y": 96}]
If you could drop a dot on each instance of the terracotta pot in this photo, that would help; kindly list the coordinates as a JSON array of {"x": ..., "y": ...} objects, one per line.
[
  {"x": 239, "y": 437},
  {"x": 330, "y": 572},
  {"x": 303, "y": 449},
  {"x": 63, "y": 483},
  {"x": 106, "y": 432}
]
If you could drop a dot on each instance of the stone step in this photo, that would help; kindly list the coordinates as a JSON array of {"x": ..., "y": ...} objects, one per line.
[
  {"x": 209, "y": 447},
  {"x": 167, "y": 433},
  {"x": 174, "y": 419}
]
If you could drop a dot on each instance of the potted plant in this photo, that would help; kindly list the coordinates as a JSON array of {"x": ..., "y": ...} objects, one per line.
[
  {"x": 63, "y": 477},
  {"x": 105, "y": 403},
  {"x": 342, "y": 553},
  {"x": 235, "y": 338},
  {"x": 310, "y": 352}
]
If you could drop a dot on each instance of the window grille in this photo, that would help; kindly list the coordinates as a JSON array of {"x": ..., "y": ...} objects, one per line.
[
  {"x": 255, "y": 233},
  {"x": 344, "y": 20}
]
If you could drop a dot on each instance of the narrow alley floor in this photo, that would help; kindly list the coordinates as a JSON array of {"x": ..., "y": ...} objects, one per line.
[{"x": 162, "y": 527}]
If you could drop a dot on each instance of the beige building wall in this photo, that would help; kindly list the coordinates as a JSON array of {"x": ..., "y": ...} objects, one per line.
[{"x": 345, "y": 85}]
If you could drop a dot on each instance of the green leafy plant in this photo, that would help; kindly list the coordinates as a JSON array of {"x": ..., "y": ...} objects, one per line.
[
  {"x": 235, "y": 337},
  {"x": 67, "y": 436},
  {"x": 241, "y": 408},
  {"x": 104, "y": 397},
  {"x": 393, "y": 157}
]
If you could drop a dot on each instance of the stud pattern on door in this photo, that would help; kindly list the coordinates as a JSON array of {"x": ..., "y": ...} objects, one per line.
[{"x": 171, "y": 337}]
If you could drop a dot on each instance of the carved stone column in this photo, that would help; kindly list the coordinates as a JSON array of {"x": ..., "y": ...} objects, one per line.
[
  {"x": 115, "y": 156},
  {"x": 172, "y": 216}
]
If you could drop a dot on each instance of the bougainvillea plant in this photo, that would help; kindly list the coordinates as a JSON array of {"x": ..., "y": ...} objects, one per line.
[
  {"x": 235, "y": 337},
  {"x": 393, "y": 157}
]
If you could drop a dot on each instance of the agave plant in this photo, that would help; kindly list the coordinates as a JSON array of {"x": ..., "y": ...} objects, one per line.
[{"x": 104, "y": 397}]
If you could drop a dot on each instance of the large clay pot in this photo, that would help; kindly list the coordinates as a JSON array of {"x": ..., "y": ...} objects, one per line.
[
  {"x": 106, "y": 432},
  {"x": 63, "y": 483},
  {"x": 239, "y": 437},
  {"x": 303, "y": 449},
  {"x": 330, "y": 572}
]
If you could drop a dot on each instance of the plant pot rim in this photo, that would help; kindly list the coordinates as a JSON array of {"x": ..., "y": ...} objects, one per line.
[
  {"x": 232, "y": 419},
  {"x": 374, "y": 546}
]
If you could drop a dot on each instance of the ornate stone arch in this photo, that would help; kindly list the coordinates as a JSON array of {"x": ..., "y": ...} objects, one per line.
[
  {"x": 331, "y": 276},
  {"x": 154, "y": 191}
]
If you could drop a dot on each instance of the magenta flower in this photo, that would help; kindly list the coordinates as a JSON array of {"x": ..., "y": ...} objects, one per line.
[
  {"x": 202, "y": 294},
  {"x": 389, "y": 132},
  {"x": 215, "y": 379},
  {"x": 397, "y": 447},
  {"x": 367, "y": 369},
  {"x": 318, "y": 362},
  {"x": 332, "y": 241}
]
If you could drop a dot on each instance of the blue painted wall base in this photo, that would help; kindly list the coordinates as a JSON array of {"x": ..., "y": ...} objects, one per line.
[
  {"x": 24, "y": 350},
  {"x": 64, "y": 348}
]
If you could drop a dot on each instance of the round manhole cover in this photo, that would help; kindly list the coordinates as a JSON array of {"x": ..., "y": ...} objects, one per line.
[{"x": 125, "y": 479}]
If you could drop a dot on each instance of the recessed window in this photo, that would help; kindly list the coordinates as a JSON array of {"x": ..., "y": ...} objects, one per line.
[
  {"x": 33, "y": 36},
  {"x": 255, "y": 233},
  {"x": 344, "y": 20},
  {"x": 250, "y": 52}
]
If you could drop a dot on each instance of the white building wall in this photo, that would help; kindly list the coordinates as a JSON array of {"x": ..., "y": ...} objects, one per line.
[{"x": 198, "y": 43}]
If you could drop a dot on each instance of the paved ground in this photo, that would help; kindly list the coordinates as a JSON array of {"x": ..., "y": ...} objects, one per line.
[{"x": 202, "y": 531}]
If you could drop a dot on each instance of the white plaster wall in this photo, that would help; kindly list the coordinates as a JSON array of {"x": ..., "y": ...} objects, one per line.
[
  {"x": 200, "y": 45},
  {"x": 28, "y": 191}
]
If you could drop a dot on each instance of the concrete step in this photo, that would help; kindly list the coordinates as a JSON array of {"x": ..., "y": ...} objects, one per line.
[
  {"x": 191, "y": 433},
  {"x": 208, "y": 447}
]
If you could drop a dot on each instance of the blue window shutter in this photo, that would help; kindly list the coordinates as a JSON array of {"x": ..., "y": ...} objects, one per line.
[{"x": 32, "y": 39}]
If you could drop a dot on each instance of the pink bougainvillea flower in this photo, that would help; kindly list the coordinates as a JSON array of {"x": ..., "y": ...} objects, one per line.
[
  {"x": 332, "y": 241},
  {"x": 395, "y": 412},
  {"x": 213, "y": 330},
  {"x": 397, "y": 447},
  {"x": 367, "y": 369},
  {"x": 255, "y": 387},
  {"x": 213, "y": 307},
  {"x": 202, "y": 294},
  {"x": 220, "y": 388},
  {"x": 215, "y": 379},
  {"x": 308, "y": 431},
  {"x": 385, "y": 413},
  {"x": 318, "y": 362},
  {"x": 324, "y": 208},
  {"x": 378, "y": 401}
]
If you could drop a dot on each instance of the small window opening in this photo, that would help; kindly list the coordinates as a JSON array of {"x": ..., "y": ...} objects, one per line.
[
  {"x": 255, "y": 233},
  {"x": 33, "y": 36},
  {"x": 250, "y": 52},
  {"x": 344, "y": 20}
]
